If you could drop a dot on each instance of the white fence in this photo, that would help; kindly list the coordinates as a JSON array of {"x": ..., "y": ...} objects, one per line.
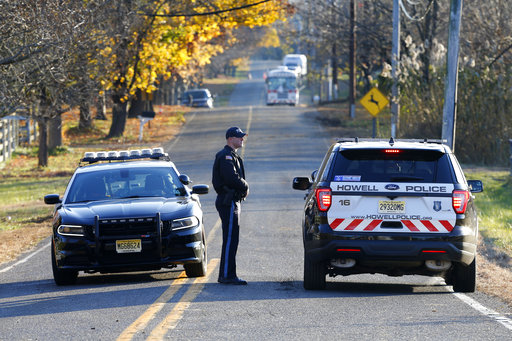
[{"x": 13, "y": 131}]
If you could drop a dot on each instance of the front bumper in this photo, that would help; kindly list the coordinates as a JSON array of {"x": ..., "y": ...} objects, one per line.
[{"x": 98, "y": 254}]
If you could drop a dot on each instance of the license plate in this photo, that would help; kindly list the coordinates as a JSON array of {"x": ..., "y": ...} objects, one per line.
[
  {"x": 391, "y": 206},
  {"x": 128, "y": 246}
]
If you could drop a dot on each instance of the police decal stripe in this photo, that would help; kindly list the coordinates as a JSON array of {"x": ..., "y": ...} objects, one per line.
[{"x": 369, "y": 225}]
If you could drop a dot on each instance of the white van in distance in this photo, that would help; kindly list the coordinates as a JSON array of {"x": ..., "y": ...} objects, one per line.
[{"x": 297, "y": 63}]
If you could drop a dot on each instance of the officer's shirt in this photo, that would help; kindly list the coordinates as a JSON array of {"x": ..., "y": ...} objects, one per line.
[{"x": 228, "y": 170}]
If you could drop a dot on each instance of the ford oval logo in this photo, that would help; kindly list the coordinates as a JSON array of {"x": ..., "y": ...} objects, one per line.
[{"x": 392, "y": 187}]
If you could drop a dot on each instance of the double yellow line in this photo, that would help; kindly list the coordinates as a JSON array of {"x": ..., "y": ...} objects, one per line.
[{"x": 171, "y": 320}]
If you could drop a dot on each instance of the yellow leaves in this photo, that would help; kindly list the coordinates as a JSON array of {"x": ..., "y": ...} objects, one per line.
[
  {"x": 270, "y": 39},
  {"x": 161, "y": 46},
  {"x": 106, "y": 51}
]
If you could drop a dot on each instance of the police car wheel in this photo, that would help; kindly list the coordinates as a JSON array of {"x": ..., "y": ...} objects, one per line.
[
  {"x": 464, "y": 277},
  {"x": 198, "y": 269},
  {"x": 314, "y": 274},
  {"x": 62, "y": 277}
]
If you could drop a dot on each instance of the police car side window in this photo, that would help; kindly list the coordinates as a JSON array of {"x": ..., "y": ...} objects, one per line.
[
  {"x": 459, "y": 174},
  {"x": 323, "y": 172}
]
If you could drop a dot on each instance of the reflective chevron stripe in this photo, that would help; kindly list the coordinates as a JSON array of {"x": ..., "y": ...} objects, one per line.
[{"x": 371, "y": 225}]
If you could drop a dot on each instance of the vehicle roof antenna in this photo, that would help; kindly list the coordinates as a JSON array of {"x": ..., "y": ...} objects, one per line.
[{"x": 391, "y": 141}]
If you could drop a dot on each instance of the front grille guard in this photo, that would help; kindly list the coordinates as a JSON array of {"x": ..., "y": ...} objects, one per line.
[{"x": 98, "y": 237}]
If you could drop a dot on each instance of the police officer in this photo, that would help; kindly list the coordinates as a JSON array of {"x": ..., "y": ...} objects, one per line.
[{"x": 228, "y": 178}]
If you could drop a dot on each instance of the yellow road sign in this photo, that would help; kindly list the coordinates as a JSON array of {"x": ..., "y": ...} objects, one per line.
[{"x": 374, "y": 101}]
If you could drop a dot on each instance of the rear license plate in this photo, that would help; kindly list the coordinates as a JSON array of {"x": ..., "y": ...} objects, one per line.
[
  {"x": 128, "y": 246},
  {"x": 391, "y": 206}
]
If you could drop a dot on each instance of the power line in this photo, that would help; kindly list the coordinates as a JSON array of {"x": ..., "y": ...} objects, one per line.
[
  {"x": 414, "y": 3},
  {"x": 195, "y": 14}
]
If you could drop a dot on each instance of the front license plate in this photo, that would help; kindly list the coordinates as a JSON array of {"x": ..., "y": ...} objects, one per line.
[
  {"x": 391, "y": 206},
  {"x": 128, "y": 246}
]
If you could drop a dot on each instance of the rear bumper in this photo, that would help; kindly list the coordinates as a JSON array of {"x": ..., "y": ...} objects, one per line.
[{"x": 376, "y": 249}]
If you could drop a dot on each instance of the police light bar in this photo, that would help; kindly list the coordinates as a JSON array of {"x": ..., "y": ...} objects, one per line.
[
  {"x": 113, "y": 154},
  {"x": 125, "y": 155},
  {"x": 135, "y": 153}
]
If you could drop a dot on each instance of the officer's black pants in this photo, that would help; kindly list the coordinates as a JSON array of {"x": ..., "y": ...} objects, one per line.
[{"x": 229, "y": 216}]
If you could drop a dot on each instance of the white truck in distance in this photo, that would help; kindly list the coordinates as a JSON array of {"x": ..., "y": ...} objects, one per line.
[{"x": 297, "y": 63}]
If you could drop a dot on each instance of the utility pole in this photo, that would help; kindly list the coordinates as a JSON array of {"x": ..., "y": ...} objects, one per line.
[
  {"x": 352, "y": 59},
  {"x": 395, "y": 58},
  {"x": 452, "y": 67}
]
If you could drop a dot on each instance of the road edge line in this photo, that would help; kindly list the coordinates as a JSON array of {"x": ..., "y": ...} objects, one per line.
[
  {"x": 485, "y": 311},
  {"x": 23, "y": 260}
]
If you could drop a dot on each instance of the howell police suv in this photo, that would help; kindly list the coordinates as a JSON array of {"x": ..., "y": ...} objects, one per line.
[
  {"x": 391, "y": 207},
  {"x": 127, "y": 211}
]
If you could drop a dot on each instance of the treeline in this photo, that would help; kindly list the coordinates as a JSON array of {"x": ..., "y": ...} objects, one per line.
[
  {"x": 484, "y": 111},
  {"x": 55, "y": 55}
]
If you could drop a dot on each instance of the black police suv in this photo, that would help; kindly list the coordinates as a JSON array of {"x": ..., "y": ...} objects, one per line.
[
  {"x": 390, "y": 207},
  {"x": 127, "y": 211}
]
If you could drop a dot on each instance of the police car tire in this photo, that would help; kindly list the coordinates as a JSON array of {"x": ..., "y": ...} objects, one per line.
[
  {"x": 464, "y": 277},
  {"x": 314, "y": 274},
  {"x": 62, "y": 277},
  {"x": 198, "y": 269}
]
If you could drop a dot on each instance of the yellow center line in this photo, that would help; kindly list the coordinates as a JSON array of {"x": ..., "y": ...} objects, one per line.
[
  {"x": 160, "y": 302},
  {"x": 249, "y": 121},
  {"x": 150, "y": 313},
  {"x": 171, "y": 320}
]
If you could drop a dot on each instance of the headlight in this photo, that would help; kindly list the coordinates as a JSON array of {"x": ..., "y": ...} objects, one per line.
[
  {"x": 70, "y": 230},
  {"x": 184, "y": 223}
]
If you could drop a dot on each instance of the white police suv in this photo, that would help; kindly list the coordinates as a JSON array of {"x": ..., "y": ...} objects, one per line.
[{"x": 393, "y": 207}]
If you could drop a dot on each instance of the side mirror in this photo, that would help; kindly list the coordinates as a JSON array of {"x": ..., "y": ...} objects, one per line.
[
  {"x": 52, "y": 199},
  {"x": 184, "y": 179},
  {"x": 475, "y": 186},
  {"x": 301, "y": 183},
  {"x": 200, "y": 189},
  {"x": 314, "y": 174}
]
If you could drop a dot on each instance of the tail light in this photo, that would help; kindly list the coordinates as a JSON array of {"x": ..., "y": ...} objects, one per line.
[
  {"x": 460, "y": 201},
  {"x": 323, "y": 198}
]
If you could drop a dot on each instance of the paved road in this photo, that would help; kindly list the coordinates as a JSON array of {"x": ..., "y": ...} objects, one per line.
[{"x": 282, "y": 143}]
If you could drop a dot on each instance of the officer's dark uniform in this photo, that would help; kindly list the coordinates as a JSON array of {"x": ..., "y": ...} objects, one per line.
[{"x": 228, "y": 179}]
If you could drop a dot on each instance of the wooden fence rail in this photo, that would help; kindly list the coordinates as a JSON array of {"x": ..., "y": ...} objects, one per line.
[{"x": 15, "y": 130}]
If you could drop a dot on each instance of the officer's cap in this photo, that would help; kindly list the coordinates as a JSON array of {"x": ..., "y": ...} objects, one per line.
[{"x": 234, "y": 132}]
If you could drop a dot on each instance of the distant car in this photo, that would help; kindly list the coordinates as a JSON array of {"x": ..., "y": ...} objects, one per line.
[
  {"x": 197, "y": 98},
  {"x": 396, "y": 208},
  {"x": 127, "y": 211}
]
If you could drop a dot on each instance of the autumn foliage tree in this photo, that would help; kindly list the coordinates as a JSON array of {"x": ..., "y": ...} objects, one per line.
[
  {"x": 154, "y": 40},
  {"x": 59, "y": 54}
]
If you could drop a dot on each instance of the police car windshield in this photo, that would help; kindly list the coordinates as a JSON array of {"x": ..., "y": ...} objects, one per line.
[
  {"x": 394, "y": 165},
  {"x": 125, "y": 183}
]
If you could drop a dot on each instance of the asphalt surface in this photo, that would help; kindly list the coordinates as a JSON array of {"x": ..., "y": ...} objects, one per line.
[{"x": 283, "y": 142}]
